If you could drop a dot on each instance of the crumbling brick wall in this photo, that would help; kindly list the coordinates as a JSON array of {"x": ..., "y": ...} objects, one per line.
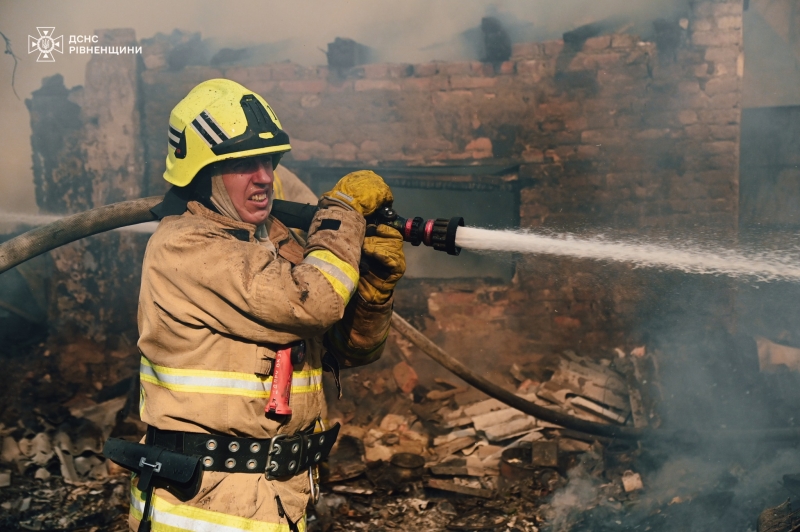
[
  {"x": 87, "y": 152},
  {"x": 608, "y": 132}
]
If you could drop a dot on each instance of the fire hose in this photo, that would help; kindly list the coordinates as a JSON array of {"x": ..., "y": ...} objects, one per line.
[{"x": 439, "y": 234}]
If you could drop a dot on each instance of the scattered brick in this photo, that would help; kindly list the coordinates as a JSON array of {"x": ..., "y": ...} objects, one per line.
[{"x": 405, "y": 377}]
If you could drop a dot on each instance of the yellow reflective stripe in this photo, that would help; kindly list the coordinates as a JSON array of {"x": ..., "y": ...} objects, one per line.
[
  {"x": 224, "y": 382},
  {"x": 340, "y": 274},
  {"x": 168, "y": 517}
]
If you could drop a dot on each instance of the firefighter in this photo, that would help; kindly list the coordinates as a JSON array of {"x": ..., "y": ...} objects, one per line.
[{"x": 224, "y": 288}]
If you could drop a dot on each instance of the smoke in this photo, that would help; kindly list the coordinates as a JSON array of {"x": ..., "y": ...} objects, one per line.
[
  {"x": 685, "y": 494},
  {"x": 410, "y": 31},
  {"x": 581, "y": 492},
  {"x": 699, "y": 330}
]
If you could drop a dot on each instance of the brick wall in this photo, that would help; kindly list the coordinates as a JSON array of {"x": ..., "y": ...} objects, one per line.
[{"x": 610, "y": 132}]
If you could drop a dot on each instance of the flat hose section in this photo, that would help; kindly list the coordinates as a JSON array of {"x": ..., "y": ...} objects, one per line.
[{"x": 72, "y": 228}]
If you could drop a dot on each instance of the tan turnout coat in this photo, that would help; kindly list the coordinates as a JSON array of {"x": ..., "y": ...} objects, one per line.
[{"x": 214, "y": 306}]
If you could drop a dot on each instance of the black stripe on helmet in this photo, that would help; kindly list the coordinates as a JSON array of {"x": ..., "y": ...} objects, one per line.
[
  {"x": 177, "y": 141},
  {"x": 209, "y": 120},
  {"x": 203, "y": 133},
  {"x": 173, "y": 138},
  {"x": 208, "y": 129}
]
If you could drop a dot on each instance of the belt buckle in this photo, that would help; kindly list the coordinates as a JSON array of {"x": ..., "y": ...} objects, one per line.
[{"x": 274, "y": 449}]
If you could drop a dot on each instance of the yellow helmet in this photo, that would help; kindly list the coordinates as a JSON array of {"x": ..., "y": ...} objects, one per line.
[{"x": 220, "y": 119}]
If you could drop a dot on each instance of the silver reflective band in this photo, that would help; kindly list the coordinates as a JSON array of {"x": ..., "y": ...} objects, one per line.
[
  {"x": 214, "y": 382},
  {"x": 331, "y": 270},
  {"x": 345, "y": 196},
  {"x": 227, "y": 383}
]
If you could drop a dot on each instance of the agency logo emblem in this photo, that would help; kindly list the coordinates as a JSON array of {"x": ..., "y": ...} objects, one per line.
[{"x": 46, "y": 45}]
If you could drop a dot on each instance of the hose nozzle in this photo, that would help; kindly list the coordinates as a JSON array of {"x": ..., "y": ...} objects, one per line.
[{"x": 439, "y": 233}]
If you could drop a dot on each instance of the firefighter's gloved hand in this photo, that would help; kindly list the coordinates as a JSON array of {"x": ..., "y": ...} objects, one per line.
[
  {"x": 382, "y": 264},
  {"x": 363, "y": 191}
]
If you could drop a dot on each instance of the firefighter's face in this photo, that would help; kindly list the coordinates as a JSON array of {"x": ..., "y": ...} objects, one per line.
[{"x": 249, "y": 185}]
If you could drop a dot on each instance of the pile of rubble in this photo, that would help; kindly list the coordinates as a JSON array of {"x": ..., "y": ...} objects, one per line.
[
  {"x": 462, "y": 461},
  {"x": 56, "y": 415},
  {"x": 410, "y": 457}
]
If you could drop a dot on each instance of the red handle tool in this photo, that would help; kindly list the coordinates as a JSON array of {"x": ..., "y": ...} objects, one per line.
[
  {"x": 281, "y": 383},
  {"x": 285, "y": 358}
]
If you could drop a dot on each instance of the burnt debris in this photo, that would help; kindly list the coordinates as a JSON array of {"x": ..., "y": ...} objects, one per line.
[
  {"x": 496, "y": 41},
  {"x": 344, "y": 54}
]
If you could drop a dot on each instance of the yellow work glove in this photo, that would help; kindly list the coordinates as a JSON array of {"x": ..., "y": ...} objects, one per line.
[
  {"x": 363, "y": 190},
  {"x": 382, "y": 264}
]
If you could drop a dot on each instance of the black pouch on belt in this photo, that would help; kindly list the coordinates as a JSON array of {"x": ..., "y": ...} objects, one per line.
[{"x": 178, "y": 473}]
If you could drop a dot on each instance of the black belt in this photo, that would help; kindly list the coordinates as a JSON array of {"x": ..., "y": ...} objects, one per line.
[{"x": 279, "y": 457}]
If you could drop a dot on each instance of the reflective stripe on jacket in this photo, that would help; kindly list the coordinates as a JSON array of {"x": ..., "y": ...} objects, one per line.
[
  {"x": 225, "y": 382},
  {"x": 214, "y": 306}
]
